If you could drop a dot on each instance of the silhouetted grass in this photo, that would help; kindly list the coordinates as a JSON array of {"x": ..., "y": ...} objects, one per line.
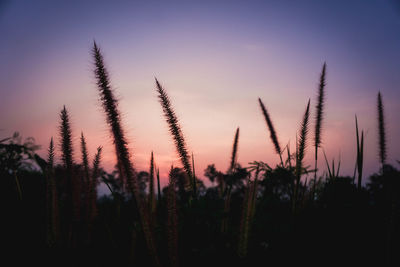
[
  {"x": 175, "y": 131},
  {"x": 125, "y": 165},
  {"x": 72, "y": 179},
  {"x": 91, "y": 204},
  {"x": 319, "y": 117},
  {"x": 301, "y": 149},
  {"x": 273, "y": 218},
  {"x": 381, "y": 131},
  {"x": 66, "y": 140},
  {"x": 360, "y": 155},
  {"x": 172, "y": 222},
  {"x": 234, "y": 152},
  {"x": 85, "y": 163},
  {"x": 274, "y": 137},
  {"x": 151, "y": 198},
  {"x": 158, "y": 185},
  {"x": 51, "y": 198}
]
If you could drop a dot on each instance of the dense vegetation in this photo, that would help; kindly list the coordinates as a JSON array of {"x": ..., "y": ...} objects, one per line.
[{"x": 259, "y": 214}]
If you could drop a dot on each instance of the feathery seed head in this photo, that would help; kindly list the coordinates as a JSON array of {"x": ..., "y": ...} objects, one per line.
[
  {"x": 382, "y": 131},
  {"x": 320, "y": 108},
  {"x": 174, "y": 129},
  {"x": 66, "y": 139},
  {"x": 274, "y": 137},
  {"x": 234, "y": 152}
]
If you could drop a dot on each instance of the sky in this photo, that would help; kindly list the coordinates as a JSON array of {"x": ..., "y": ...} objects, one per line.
[{"x": 214, "y": 59}]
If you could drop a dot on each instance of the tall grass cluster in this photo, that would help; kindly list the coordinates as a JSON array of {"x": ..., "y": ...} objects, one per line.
[{"x": 285, "y": 214}]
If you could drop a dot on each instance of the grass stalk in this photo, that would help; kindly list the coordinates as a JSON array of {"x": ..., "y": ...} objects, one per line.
[
  {"x": 301, "y": 145},
  {"x": 382, "y": 132},
  {"x": 51, "y": 198},
  {"x": 175, "y": 130},
  {"x": 85, "y": 164},
  {"x": 318, "y": 119},
  {"x": 151, "y": 197},
  {"x": 125, "y": 166},
  {"x": 273, "y": 136},
  {"x": 74, "y": 184},
  {"x": 172, "y": 221},
  {"x": 360, "y": 155},
  {"x": 234, "y": 152}
]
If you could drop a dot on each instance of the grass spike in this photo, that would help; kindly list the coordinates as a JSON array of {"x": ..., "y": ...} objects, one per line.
[
  {"x": 66, "y": 140},
  {"x": 318, "y": 117},
  {"x": 91, "y": 204},
  {"x": 125, "y": 166},
  {"x": 51, "y": 198},
  {"x": 234, "y": 152},
  {"x": 301, "y": 144},
  {"x": 85, "y": 162},
  {"x": 382, "y": 131},
  {"x": 151, "y": 196},
  {"x": 273, "y": 136},
  {"x": 175, "y": 130},
  {"x": 74, "y": 185}
]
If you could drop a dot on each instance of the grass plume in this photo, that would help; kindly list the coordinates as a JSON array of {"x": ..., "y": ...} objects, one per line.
[
  {"x": 175, "y": 129},
  {"x": 50, "y": 159},
  {"x": 91, "y": 203},
  {"x": 110, "y": 105},
  {"x": 319, "y": 110},
  {"x": 67, "y": 158},
  {"x": 51, "y": 198},
  {"x": 66, "y": 140},
  {"x": 274, "y": 137},
  {"x": 126, "y": 169},
  {"x": 319, "y": 116},
  {"x": 151, "y": 196},
  {"x": 234, "y": 152},
  {"x": 302, "y": 140},
  {"x": 85, "y": 162},
  {"x": 382, "y": 131},
  {"x": 301, "y": 144}
]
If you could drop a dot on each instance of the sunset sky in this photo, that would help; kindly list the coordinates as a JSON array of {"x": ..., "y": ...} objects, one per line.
[{"x": 214, "y": 58}]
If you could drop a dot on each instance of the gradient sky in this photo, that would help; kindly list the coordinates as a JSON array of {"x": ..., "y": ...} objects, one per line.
[{"x": 214, "y": 58}]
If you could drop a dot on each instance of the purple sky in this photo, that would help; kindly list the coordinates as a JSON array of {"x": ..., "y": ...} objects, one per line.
[{"x": 214, "y": 58}]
